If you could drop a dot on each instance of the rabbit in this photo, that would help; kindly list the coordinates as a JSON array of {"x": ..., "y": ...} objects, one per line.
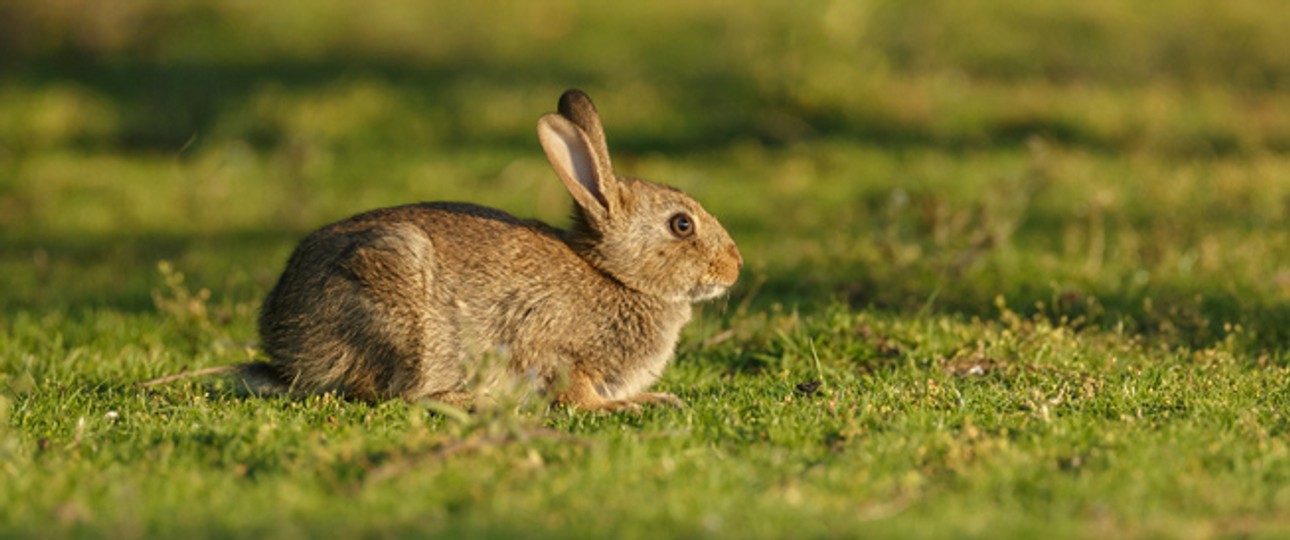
[{"x": 397, "y": 302}]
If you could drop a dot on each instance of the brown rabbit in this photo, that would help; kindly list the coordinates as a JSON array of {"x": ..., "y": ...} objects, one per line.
[{"x": 398, "y": 301}]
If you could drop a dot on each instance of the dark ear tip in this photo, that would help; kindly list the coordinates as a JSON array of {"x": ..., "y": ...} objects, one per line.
[{"x": 574, "y": 99}]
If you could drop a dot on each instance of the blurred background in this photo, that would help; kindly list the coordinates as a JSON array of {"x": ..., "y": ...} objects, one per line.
[{"x": 1101, "y": 162}]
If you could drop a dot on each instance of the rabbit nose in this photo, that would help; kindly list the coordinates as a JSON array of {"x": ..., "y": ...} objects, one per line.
[
  {"x": 734, "y": 253},
  {"x": 729, "y": 268}
]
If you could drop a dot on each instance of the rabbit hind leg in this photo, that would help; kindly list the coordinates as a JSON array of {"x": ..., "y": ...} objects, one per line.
[{"x": 410, "y": 337}]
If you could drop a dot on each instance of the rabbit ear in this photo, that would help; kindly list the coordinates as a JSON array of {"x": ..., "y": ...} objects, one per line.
[
  {"x": 578, "y": 108},
  {"x": 576, "y": 162}
]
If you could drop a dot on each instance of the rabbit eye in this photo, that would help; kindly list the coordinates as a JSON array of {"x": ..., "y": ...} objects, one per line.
[{"x": 681, "y": 224}]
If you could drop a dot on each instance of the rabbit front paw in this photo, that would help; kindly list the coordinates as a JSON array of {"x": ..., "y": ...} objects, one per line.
[{"x": 657, "y": 398}]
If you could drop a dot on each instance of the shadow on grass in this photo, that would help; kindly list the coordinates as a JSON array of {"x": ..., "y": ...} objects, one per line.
[
  {"x": 164, "y": 105},
  {"x": 119, "y": 271},
  {"x": 1173, "y": 315}
]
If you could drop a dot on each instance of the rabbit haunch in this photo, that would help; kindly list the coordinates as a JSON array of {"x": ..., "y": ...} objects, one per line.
[{"x": 399, "y": 302}]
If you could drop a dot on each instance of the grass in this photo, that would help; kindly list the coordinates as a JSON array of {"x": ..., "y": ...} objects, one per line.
[{"x": 1014, "y": 268}]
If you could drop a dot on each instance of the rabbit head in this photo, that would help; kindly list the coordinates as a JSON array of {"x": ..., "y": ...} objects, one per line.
[{"x": 652, "y": 238}]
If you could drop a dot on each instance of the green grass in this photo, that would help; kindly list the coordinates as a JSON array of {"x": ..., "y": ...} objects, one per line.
[{"x": 1034, "y": 254}]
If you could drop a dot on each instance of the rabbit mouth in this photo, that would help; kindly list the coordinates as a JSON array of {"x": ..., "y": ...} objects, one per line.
[{"x": 706, "y": 291}]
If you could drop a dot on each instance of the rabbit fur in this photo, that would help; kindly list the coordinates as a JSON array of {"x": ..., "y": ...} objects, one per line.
[{"x": 398, "y": 302}]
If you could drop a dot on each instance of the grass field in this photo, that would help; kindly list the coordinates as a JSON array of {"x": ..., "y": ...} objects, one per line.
[{"x": 1014, "y": 268}]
